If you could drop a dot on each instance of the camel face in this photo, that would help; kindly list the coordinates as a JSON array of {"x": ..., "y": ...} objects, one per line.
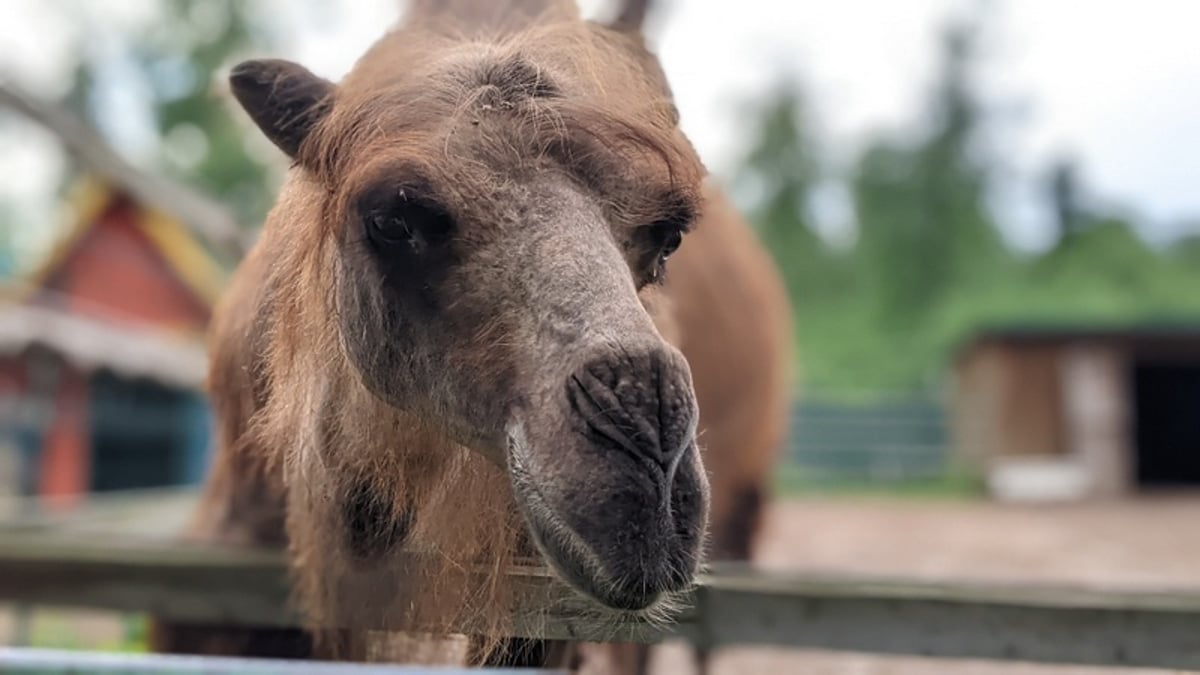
[
  {"x": 518, "y": 329},
  {"x": 495, "y": 219}
]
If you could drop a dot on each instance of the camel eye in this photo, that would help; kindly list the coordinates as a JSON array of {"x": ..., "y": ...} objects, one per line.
[
  {"x": 664, "y": 239},
  {"x": 672, "y": 238},
  {"x": 667, "y": 236},
  {"x": 388, "y": 229},
  {"x": 407, "y": 224}
]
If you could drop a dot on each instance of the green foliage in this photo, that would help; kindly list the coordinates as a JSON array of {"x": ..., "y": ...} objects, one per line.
[
  {"x": 782, "y": 169},
  {"x": 924, "y": 226},
  {"x": 178, "y": 62},
  {"x": 1186, "y": 251},
  {"x": 70, "y": 630},
  {"x": 136, "y": 638},
  {"x": 929, "y": 265}
]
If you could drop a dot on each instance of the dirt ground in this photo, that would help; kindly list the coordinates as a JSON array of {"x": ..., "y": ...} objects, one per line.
[{"x": 1148, "y": 543}]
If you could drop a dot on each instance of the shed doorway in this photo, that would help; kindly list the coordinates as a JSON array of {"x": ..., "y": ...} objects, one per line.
[{"x": 1167, "y": 427}]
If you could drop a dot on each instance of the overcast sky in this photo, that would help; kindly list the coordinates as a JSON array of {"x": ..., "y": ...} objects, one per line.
[{"x": 1113, "y": 83}]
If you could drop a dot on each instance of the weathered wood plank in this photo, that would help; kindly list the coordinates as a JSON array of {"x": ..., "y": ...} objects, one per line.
[
  {"x": 192, "y": 583},
  {"x": 730, "y": 606},
  {"x": 173, "y": 579},
  {"x": 1052, "y": 625}
]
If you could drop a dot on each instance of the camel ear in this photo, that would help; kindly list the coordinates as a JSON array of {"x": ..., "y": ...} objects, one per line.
[
  {"x": 631, "y": 17},
  {"x": 283, "y": 98}
]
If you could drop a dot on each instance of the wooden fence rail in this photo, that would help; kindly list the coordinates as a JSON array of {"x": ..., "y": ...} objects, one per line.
[{"x": 729, "y": 607}]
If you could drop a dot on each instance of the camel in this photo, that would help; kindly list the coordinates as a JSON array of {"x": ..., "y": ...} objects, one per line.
[{"x": 499, "y": 309}]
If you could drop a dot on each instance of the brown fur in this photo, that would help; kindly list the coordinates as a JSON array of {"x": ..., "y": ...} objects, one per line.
[
  {"x": 322, "y": 447},
  {"x": 735, "y": 330}
]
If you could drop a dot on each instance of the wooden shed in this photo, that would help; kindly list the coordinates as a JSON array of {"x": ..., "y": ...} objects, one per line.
[
  {"x": 1080, "y": 411},
  {"x": 102, "y": 354}
]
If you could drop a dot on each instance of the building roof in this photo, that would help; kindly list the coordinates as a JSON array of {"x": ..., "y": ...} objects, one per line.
[
  {"x": 1059, "y": 331},
  {"x": 182, "y": 226},
  {"x": 205, "y": 217},
  {"x": 90, "y": 344},
  {"x": 187, "y": 259},
  {"x": 1048, "y": 333}
]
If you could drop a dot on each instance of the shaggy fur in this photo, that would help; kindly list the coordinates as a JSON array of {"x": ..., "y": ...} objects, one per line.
[{"x": 457, "y": 336}]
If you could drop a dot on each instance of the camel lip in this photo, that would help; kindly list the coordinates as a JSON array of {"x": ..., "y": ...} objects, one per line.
[
  {"x": 578, "y": 569},
  {"x": 569, "y": 554},
  {"x": 573, "y": 572}
]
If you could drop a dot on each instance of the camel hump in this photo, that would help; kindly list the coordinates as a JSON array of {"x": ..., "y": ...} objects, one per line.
[{"x": 490, "y": 15}]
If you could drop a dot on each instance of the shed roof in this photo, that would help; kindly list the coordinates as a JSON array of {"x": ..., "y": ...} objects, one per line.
[
  {"x": 203, "y": 216},
  {"x": 188, "y": 260},
  {"x": 1051, "y": 333},
  {"x": 1069, "y": 331}
]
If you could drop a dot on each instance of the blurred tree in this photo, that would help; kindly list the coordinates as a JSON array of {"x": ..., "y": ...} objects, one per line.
[
  {"x": 924, "y": 224},
  {"x": 1109, "y": 273},
  {"x": 779, "y": 175},
  {"x": 780, "y": 172},
  {"x": 176, "y": 61},
  {"x": 1100, "y": 268},
  {"x": 929, "y": 263},
  {"x": 1186, "y": 250},
  {"x": 1065, "y": 200}
]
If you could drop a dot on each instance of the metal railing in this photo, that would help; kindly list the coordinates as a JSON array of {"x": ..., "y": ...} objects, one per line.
[{"x": 881, "y": 442}]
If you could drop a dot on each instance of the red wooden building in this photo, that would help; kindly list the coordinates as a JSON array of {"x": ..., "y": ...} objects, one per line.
[
  {"x": 101, "y": 354},
  {"x": 101, "y": 346}
]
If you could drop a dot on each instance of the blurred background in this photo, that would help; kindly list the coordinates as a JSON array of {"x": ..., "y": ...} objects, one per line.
[{"x": 985, "y": 211}]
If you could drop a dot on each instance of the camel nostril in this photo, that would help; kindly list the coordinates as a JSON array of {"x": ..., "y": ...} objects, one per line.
[{"x": 640, "y": 404}]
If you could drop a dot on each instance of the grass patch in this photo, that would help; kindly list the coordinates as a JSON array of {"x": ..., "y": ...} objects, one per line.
[
  {"x": 87, "y": 631},
  {"x": 136, "y": 638}
]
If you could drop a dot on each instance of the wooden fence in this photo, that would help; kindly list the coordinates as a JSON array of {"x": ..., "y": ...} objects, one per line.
[{"x": 45, "y": 566}]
